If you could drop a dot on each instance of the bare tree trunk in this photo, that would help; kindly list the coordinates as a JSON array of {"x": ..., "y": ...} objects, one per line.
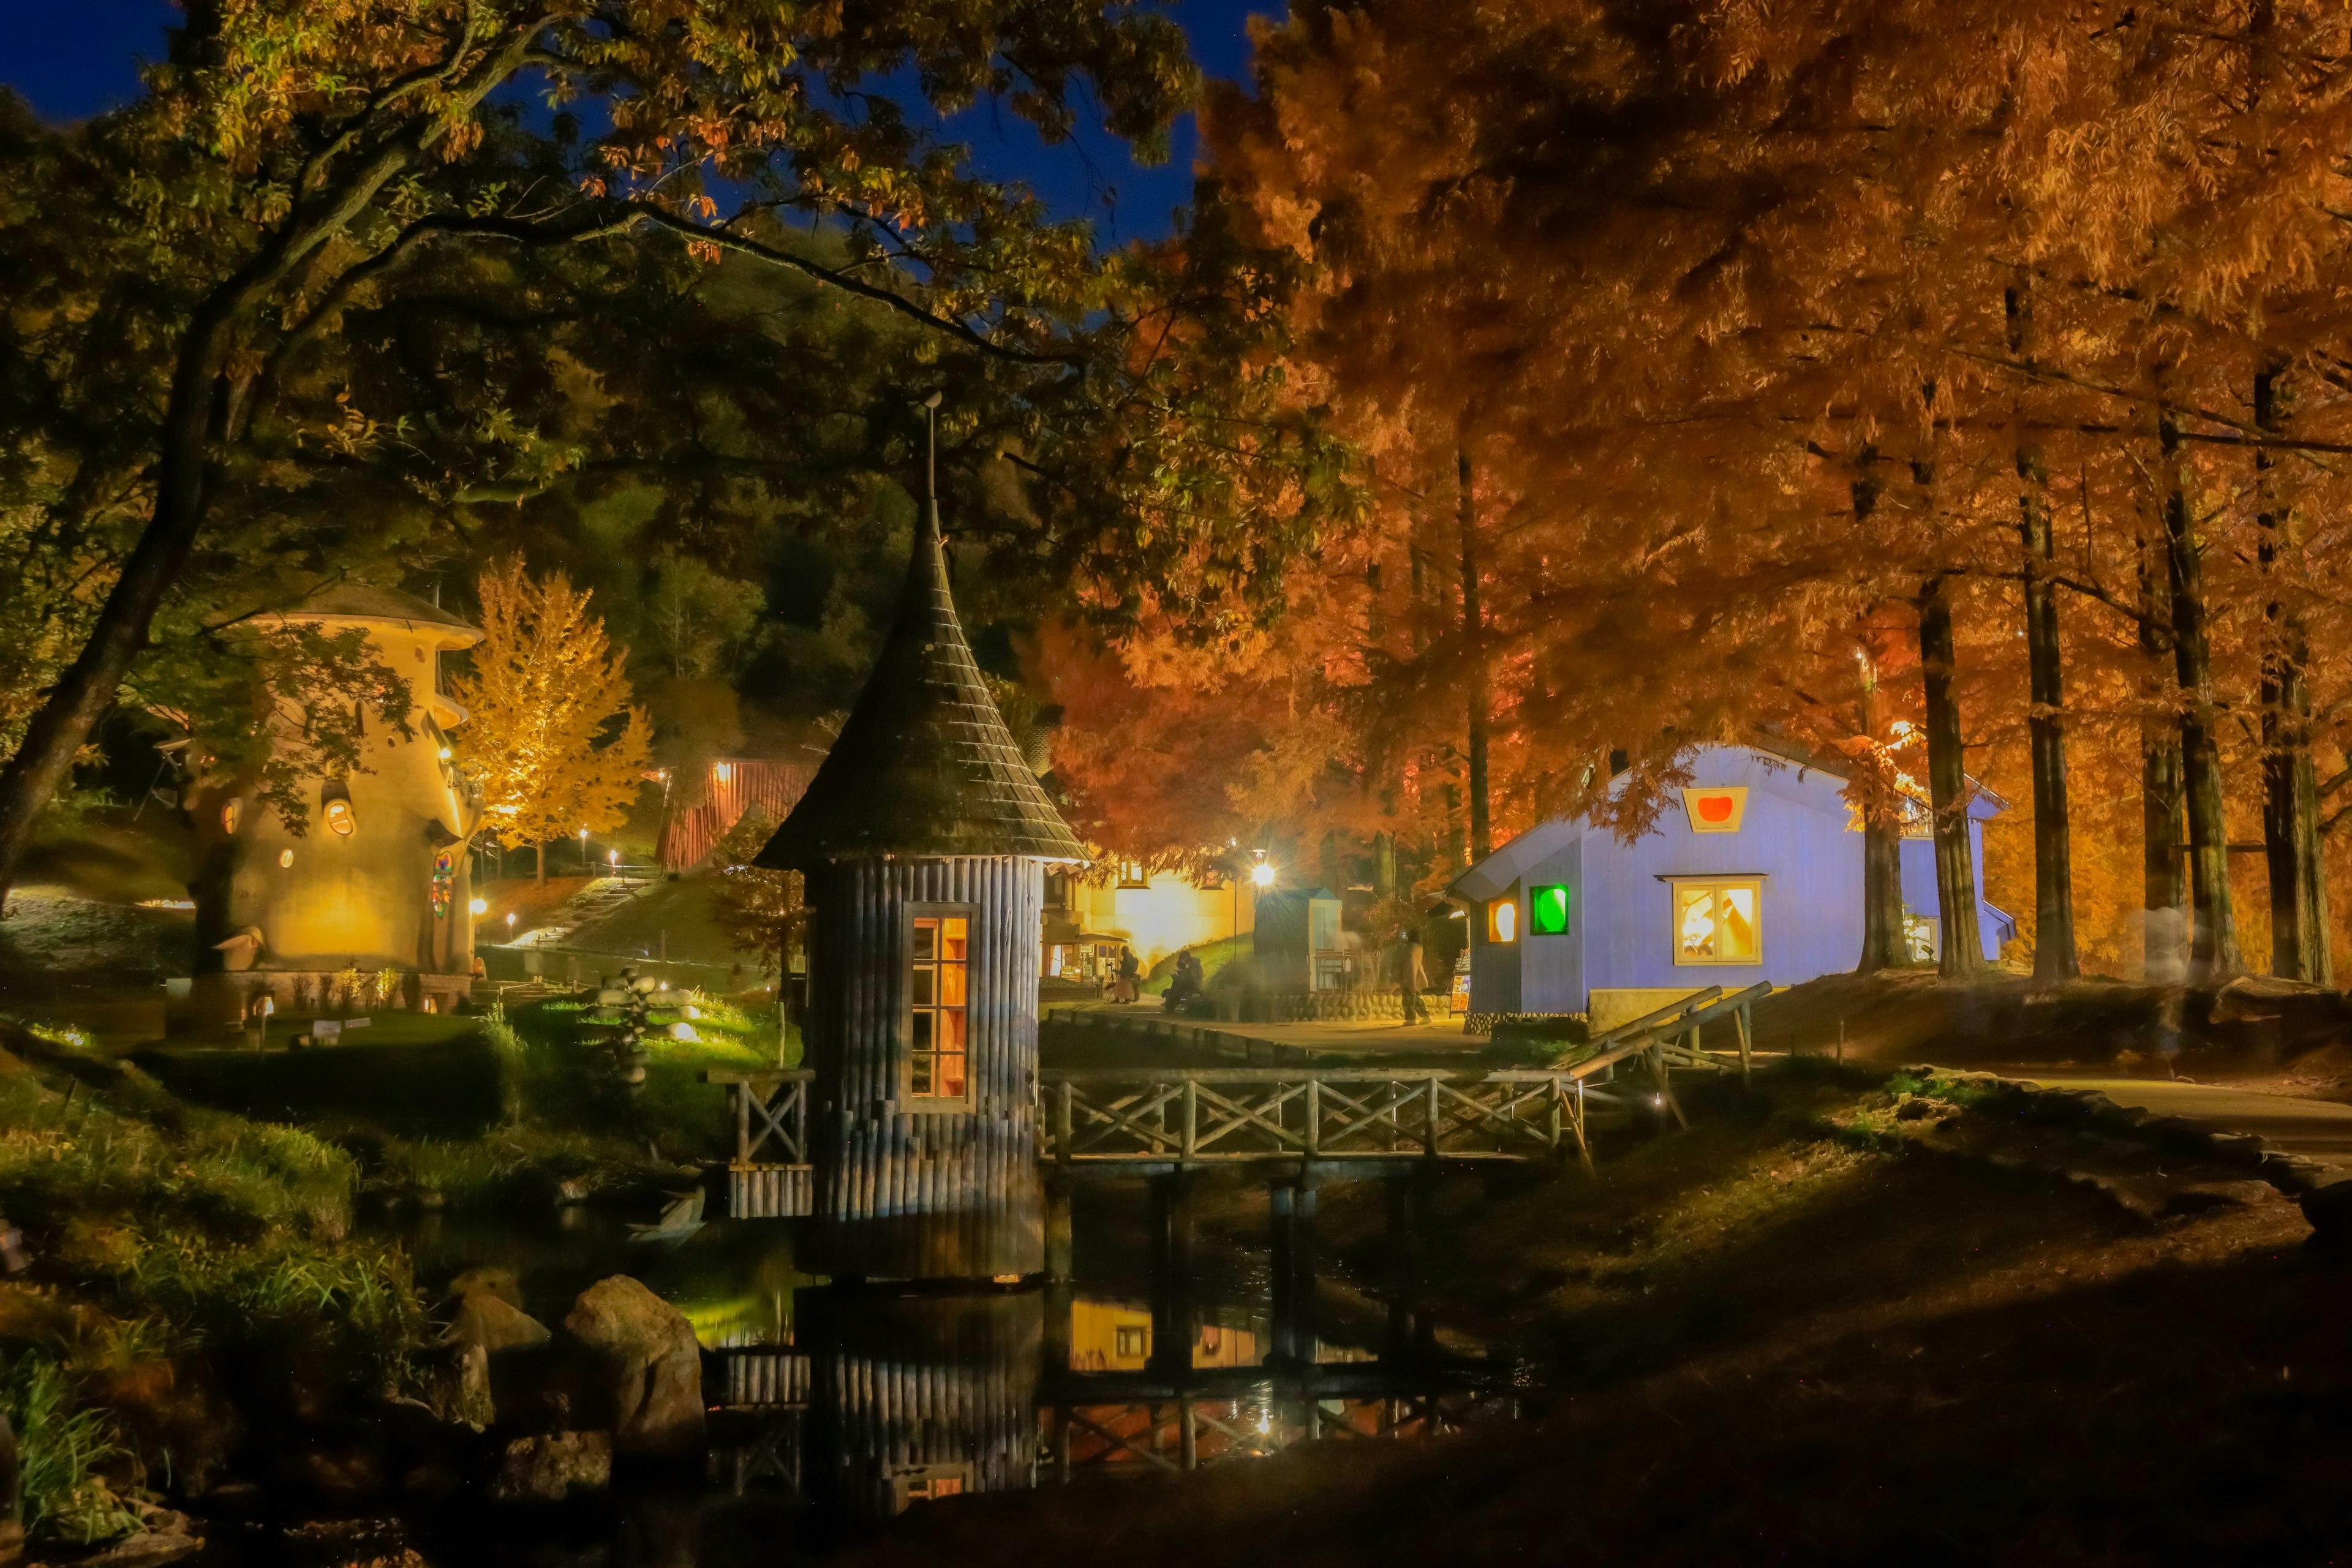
[
  {"x": 1474, "y": 643},
  {"x": 1882, "y": 842},
  {"x": 1383, "y": 866},
  {"x": 539, "y": 853},
  {"x": 2214, "y": 933},
  {"x": 2055, "y": 955},
  {"x": 2164, "y": 882},
  {"x": 2290, "y": 842},
  {"x": 1960, "y": 946}
]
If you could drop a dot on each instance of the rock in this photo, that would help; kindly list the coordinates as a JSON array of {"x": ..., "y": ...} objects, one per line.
[
  {"x": 166, "y": 1539},
  {"x": 2200, "y": 1196},
  {"x": 554, "y": 1468},
  {"x": 495, "y": 1324},
  {"x": 650, "y": 1363},
  {"x": 487, "y": 1282},
  {"x": 341, "y": 1476},
  {"x": 2329, "y": 1210}
]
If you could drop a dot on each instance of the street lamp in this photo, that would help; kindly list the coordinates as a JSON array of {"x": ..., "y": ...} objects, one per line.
[
  {"x": 584, "y": 851},
  {"x": 1261, "y": 874}
]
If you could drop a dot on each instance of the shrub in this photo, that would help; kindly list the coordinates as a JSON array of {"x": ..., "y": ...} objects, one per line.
[{"x": 60, "y": 1449}]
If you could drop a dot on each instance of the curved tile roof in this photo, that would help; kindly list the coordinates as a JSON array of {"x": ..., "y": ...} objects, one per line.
[{"x": 925, "y": 767}]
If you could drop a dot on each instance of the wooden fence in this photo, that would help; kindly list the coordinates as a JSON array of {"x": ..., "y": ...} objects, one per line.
[
  {"x": 770, "y": 1109},
  {"x": 1201, "y": 1116}
]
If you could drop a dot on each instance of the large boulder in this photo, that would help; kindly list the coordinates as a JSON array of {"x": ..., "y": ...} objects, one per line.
[
  {"x": 491, "y": 1322},
  {"x": 650, "y": 1364}
]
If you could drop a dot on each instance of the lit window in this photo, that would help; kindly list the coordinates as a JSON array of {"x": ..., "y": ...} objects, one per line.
[
  {"x": 1132, "y": 1343},
  {"x": 1547, "y": 910},
  {"x": 1716, "y": 808},
  {"x": 1058, "y": 890},
  {"x": 1716, "y": 922},
  {"x": 939, "y": 984},
  {"x": 1133, "y": 875},
  {"x": 339, "y": 816},
  {"x": 1503, "y": 920},
  {"x": 231, "y": 815}
]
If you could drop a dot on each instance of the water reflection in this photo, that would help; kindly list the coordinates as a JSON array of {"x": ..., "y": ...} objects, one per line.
[{"x": 861, "y": 1400}]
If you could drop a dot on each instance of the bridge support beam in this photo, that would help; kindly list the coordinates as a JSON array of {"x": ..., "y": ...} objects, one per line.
[
  {"x": 1290, "y": 1206},
  {"x": 1172, "y": 1273}
]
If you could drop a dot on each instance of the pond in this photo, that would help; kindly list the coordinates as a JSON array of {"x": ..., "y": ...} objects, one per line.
[{"x": 835, "y": 1406}]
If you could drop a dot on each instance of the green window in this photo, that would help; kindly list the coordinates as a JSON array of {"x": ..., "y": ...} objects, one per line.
[{"x": 1548, "y": 910}]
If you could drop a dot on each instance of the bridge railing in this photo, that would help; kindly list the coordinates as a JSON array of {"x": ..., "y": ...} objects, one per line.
[
  {"x": 1215, "y": 1115},
  {"x": 770, "y": 1176}
]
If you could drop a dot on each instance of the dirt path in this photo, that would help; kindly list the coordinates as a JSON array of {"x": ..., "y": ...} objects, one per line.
[{"x": 2320, "y": 1129}]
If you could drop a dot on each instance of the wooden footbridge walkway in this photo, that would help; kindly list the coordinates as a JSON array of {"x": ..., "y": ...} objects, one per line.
[{"x": 1150, "y": 1120}]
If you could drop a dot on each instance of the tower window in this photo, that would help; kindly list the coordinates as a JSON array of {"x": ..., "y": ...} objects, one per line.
[{"x": 937, "y": 993}]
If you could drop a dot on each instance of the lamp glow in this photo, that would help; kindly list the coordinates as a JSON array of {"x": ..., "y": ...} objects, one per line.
[
  {"x": 479, "y": 907},
  {"x": 1261, "y": 874}
]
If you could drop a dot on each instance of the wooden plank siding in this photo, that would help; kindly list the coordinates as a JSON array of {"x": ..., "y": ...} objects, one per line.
[
  {"x": 909, "y": 1192},
  {"x": 916, "y": 1384}
]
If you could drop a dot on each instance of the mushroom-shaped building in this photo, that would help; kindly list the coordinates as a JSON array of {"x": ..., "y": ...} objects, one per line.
[
  {"x": 376, "y": 884},
  {"x": 924, "y": 839}
]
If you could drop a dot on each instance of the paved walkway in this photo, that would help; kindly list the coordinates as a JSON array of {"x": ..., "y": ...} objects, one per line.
[
  {"x": 2320, "y": 1129},
  {"x": 1338, "y": 1038}
]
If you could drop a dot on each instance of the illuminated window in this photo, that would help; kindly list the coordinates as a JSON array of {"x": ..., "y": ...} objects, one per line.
[
  {"x": 939, "y": 983},
  {"x": 335, "y": 801},
  {"x": 1716, "y": 808},
  {"x": 1058, "y": 889},
  {"x": 1716, "y": 922},
  {"x": 1132, "y": 1343},
  {"x": 1503, "y": 920},
  {"x": 231, "y": 815},
  {"x": 1132, "y": 874},
  {"x": 1547, "y": 910}
]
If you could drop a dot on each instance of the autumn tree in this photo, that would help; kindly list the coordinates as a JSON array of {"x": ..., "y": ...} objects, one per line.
[
  {"x": 550, "y": 738},
  {"x": 289, "y": 165}
]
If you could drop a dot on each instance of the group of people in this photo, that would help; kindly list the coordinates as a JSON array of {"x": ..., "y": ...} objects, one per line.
[{"x": 1405, "y": 968}]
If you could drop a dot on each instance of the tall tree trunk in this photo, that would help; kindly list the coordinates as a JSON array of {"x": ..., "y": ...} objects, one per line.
[
  {"x": 2291, "y": 844},
  {"x": 1883, "y": 946},
  {"x": 2164, "y": 879},
  {"x": 538, "y": 852},
  {"x": 44, "y": 760},
  {"x": 1383, "y": 866},
  {"x": 2214, "y": 933},
  {"x": 1474, "y": 643},
  {"x": 2054, "y": 956},
  {"x": 1960, "y": 947}
]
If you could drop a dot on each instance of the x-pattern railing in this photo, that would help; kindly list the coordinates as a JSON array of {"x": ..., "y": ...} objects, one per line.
[
  {"x": 1172, "y": 1437},
  {"x": 1211, "y": 1115},
  {"x": 769, "y": 1105}
]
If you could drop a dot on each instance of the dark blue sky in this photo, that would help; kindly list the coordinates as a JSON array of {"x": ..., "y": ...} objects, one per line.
[{"x": 72, "y": 58}]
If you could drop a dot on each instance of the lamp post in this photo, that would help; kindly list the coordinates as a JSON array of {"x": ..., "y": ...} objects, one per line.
[{"x": 584, "y": 851}]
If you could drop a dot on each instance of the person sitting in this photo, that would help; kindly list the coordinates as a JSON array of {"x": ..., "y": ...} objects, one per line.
[{"x": 1185, "y": 984}]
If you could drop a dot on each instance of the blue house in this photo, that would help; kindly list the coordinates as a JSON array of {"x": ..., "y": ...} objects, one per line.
[{"x": 1754, "y": 874}]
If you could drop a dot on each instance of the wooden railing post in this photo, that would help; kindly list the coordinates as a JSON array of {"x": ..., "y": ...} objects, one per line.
[
  {"x": 800, "y": 1123},
  {"x": 742, "y": 1121},
  {"x": 1063, "y": 1147},
  {"x": 1429, "y": 1133},
  {"x": 1741, "y": 1018},
  {"x": 1192, "y": 1117},
  {"x": 1314, "y": 1116}
]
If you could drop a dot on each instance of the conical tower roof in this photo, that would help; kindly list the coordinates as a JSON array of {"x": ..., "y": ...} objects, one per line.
[{"x": 925, "y": 766}]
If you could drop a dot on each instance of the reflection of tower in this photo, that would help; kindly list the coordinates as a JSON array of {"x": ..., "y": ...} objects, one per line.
[
  {"x": 378, "y": 880},
  {"x": 924, "y": 836},
  {"x": 920, "y": 1396}
]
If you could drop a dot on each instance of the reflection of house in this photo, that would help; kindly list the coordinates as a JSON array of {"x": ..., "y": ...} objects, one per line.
[
  {"x": 378, "y": 880},
  {"x": 1115, "y": 1336},
  {"x": 1155, "y": 912},
  {"x": 1755, "y": 874}
]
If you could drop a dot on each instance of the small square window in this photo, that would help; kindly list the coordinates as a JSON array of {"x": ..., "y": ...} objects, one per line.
[
  {"x": 1132, "y": 874},
  {"x": 1503, "y": 920},
  {"x": 1548, "y": 910},
  {"x": 1132, "y": 1343}
]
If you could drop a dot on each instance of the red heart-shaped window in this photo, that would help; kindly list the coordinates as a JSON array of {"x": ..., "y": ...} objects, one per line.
[{"x": 1715, "y": 809}]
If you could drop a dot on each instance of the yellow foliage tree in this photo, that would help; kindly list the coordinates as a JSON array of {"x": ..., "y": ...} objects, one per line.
[{"x": 542, "y": 706}]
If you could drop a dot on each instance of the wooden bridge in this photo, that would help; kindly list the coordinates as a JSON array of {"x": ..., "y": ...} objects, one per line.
[{"x": 1148, "y": 1121}]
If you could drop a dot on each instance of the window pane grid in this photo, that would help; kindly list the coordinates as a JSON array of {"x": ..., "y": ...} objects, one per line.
[
  {"x": 939, "y": 986},
  {"x": 1718, "y": 922}
]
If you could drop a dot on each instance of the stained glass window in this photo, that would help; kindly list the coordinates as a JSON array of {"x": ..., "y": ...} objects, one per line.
[
  {"x": 1716, "y": 922},
  {"x": 939, "y": 986},
  {"x": 1548, "y": 910}
]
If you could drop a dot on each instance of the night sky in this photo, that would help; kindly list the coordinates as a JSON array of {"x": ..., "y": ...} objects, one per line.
[{"x": 72, "y": 58}]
